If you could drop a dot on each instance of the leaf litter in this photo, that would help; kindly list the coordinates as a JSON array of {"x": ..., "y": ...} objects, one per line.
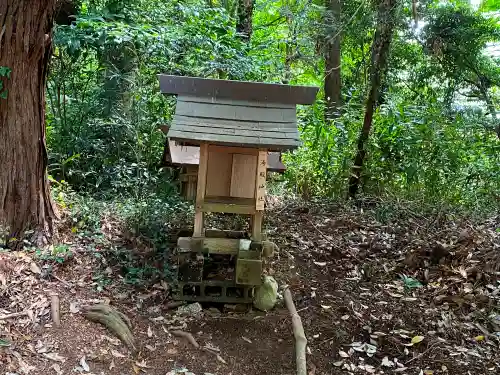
[
  {"x": 428, "y": 288},
  {"x": 413, "y": 295}
]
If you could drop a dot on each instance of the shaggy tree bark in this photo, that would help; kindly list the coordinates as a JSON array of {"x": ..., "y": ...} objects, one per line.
[
  {"x": 25, "y": 48},
  {"x": 380, "y": 50},
  {"x": 244, "y": 22},
  {"x": 333, "y": 82}
]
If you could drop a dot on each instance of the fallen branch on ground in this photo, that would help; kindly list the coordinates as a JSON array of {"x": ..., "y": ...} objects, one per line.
[
  {"x": 330, "y": 241},
  {"x": 114, "y": 320},
  {"x": 298, "y": 333},
  {"x": 64, "y": 282},
  {"x": 188, "y": 336},
  {"x": 14, "y": 315},
  {"x": 422, "y": 354},
  {"x": 287, "y": 253}
]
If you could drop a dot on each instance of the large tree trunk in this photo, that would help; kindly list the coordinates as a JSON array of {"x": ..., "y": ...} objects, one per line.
[
  {"x": 244, "y": 21},
  {"x": 380, "y": 49},
  {"x": 25, "y": 48},
  {"x": 333, "y": 83}
]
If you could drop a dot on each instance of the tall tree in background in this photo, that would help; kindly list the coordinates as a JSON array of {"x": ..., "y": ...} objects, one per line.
[
  {"x": 386, "y": 20},
  {"x": 25, "y": 49},
  {"x": 456, "y": 38},
  {"x": 119, "y": 61},
  {"x": 244, "y": 19},
  {"x": 332, "y": 86},
  {"x": 66, "y": 11}
]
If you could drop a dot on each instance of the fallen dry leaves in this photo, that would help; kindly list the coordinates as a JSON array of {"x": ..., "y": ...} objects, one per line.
[{"x": 410, "y": 295}]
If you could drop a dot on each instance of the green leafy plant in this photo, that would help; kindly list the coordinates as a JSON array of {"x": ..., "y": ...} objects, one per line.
[
  {"x": 57, "y": 254},
  {"x": 410, "y": 283},
  {"x": 4, "y": 73},
  {"x": 431, "y": 141}
]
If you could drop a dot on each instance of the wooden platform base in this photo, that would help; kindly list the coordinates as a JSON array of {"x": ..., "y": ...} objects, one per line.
[
  {"x": 213, "y": 291},
  {"x": 198, "y": 280},
  {"x": 228, "y": 246}
]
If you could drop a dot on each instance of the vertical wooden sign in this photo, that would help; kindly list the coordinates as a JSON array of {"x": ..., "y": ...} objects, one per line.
[
  {"x": 260, "y": 187},
  {"x": 200, "y": 192}
]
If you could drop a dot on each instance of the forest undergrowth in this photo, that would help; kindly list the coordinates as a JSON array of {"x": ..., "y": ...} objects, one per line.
[{"x": 401, "y": 277}]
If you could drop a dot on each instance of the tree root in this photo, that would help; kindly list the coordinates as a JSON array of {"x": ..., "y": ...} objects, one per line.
[{"x": 114, "y": 320}]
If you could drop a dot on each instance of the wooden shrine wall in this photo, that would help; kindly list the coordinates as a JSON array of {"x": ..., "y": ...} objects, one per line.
[{"x": 231, "y": 172}]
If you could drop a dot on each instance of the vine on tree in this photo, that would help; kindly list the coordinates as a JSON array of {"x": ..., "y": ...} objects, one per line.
[{"x": 4, "y": 72}]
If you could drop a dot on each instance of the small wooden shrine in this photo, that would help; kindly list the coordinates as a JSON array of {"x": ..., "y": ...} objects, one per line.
[
  {"x": 187, "y": 159},
  {"x": 228, "y": 129}
]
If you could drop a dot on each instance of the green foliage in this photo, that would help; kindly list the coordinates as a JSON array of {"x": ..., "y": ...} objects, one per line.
[
  {"x": 132, "y": 235},
  {"x": 57, "y": 254},
  {"x": 489, "y": 6},
  {"x": 434, "y": 156},
  {"x": 104, "y": 102},
  {"x": 456, "y": 36},
  {"x": 416, "y": 152},
  {"x": 321, "y": 166},
  {"x": 431, "y": 141},
  {"x": 410, "y": 282},
  {"x": 428, "y": 142},
  {"x": 4, "y": 72}
]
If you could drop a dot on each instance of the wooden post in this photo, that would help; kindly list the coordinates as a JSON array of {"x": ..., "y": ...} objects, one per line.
[
  {"x": 257, "y": 226},
  {"x": 260, "y": 195},
  {"x": 200, "y": 192}
]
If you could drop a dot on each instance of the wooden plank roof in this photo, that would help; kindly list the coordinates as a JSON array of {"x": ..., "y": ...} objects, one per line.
[
  {"x": 235, "y": 113},
  {"x": 237, "y": 90}
]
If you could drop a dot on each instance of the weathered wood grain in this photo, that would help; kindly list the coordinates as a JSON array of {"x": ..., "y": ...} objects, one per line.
[
  {"x": 218, "y": 174},
  {"x": 236, "y": 112},
  {"x": 235, "y": 124},
  {"x": 228, "y": 205},
  {"x": 237, "y": 90},
  {"x": 243, "y": 176},
  {"x": 246, "y": 103},
  {"x": 234, "y": 140},
  {"x": 200, "y": 191},
  {"x": 235, "y": 132}
]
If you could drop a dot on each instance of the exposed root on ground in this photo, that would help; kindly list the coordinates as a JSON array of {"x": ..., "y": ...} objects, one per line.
[{"x": 114, "y": 320}]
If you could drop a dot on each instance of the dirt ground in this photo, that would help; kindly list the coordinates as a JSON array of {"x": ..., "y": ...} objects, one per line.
[{"x": 410, "y": 295}]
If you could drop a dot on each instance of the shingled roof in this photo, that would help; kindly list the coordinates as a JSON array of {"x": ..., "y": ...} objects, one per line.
[{"x": 235, "y": 113}]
